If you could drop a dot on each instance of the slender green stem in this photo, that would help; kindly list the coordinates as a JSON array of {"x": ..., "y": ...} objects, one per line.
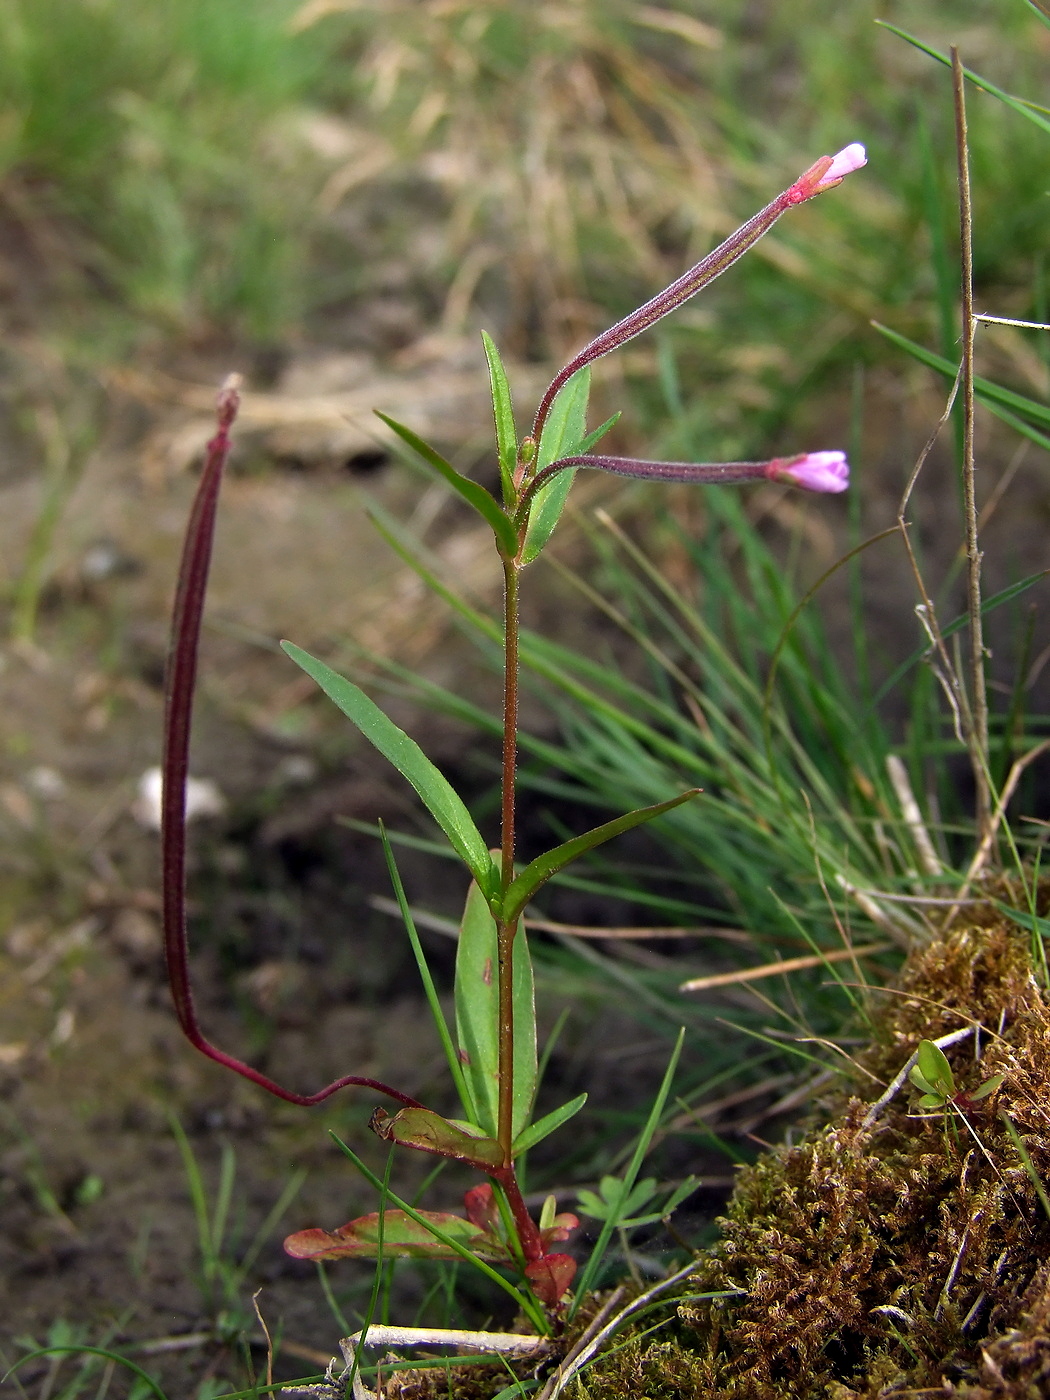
[{"x": 505, "y": 929}]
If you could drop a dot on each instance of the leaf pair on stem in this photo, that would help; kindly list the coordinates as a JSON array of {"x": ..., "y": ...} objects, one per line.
[{"x": 493, "y": 1063}]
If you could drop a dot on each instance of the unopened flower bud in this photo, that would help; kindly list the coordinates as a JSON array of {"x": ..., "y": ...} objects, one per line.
[
  {"x": 827, "y": 172},
  {"x": 813, "y": 471}
]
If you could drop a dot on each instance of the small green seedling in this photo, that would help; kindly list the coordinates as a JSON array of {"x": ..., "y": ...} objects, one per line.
[
  {"x": 606, "y": 1203},
  {"x": 932, "y": 1076}
]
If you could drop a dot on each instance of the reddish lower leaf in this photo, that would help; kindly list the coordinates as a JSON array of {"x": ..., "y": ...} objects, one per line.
[
  {"x": 402, "y": 1236},
  {"x": 550, "y": 1277},
  {"x": 429, "y": 1132},
  {"x": 564, "y": 1225},
  {"x": 481, "y": 1208}
]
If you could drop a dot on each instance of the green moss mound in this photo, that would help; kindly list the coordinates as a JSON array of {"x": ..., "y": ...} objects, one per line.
[{"x": 881, "y": 1256}]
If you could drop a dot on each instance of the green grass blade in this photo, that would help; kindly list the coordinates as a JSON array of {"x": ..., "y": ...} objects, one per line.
[
  {"x": 503, "y": 412},
  {"x": 73, "y": 1349},
  {"x": 1016, "y": 104},
  {"x": 474, "y": 494},
  {"x": 433, "y": 1000},
  {"x": 628, "y": 1180},
  {"x": 1026, "y": 1160},
  {"x": 477, "y": 1016},
  {"x": 443, "y": 802},
  {"x": 540, "y": 870},
  {"x": 985, "y": 389},
  {"x": 988, "y": 605}
]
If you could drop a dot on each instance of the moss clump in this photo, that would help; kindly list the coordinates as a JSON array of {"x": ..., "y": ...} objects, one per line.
[{"x": 879, "y": 1258}]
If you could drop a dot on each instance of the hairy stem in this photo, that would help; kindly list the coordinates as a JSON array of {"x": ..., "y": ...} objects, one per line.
[
  {"x": 505, "y": 929},
  {"x": 528, "y": 1230}
]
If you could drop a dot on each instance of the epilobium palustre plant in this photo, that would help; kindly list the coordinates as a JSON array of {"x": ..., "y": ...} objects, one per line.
[{"x": 492, "y": 1058}]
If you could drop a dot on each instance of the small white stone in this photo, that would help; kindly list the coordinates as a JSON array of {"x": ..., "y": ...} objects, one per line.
[{"x": 203, "y": 799}]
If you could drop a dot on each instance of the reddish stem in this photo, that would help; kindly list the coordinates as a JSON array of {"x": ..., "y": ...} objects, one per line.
[
  {"x": 528, "y": 1230},
  {"x": 178, "y": 717},
  {"x": 505, "y": 931}
]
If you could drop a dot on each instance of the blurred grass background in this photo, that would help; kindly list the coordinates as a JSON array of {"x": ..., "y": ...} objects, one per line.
[{"x": 206, "y": 172}]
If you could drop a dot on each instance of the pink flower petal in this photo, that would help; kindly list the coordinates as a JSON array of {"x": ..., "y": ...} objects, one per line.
[
  {"x": 850, "y": 158},
  {"x": 813, "y": 471}
]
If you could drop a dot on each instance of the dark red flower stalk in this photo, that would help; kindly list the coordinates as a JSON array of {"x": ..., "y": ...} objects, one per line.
[
  {"x": 178, "y": 716},
  {"x": 813, "y": 471},
  {"x": 825, "y": 174}
]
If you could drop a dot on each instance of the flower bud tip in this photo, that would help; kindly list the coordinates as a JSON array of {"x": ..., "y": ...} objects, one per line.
[
  {"x": 850, "y": 158},
  {"x": 813, "y": 471}
]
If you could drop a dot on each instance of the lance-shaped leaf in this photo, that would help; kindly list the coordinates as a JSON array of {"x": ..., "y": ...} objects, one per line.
[
  {"x": 564, "y": 428},
  {"x": 549, "y": 1123},
  {"x": 401, "y": 1236},
  {"x": 538, "y": 871},
  {"x": 472, "y": 492},
  {"x": 503, "y": 413},
  {"x": 427, "y": 1131},
  {"x": 442, "y": 800},
  {"x": 477, "y": 1016}
]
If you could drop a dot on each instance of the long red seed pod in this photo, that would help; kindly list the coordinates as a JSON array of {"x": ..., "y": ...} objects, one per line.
[{"x": 178, "y": 716}]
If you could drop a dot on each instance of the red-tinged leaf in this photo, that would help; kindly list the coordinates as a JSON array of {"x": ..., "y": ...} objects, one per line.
[
  {"x": 402, "y": 1236},
  {"x": 429, "y": 1132},
  {"x": 482, "y": 1210},
  {"x": 550, "y": 1277},
  {"x": 563, "y": 1226}
]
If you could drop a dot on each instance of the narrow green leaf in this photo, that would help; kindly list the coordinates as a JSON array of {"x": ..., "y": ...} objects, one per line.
[
  {"x": 1017, "y": 104},
  {"x": 565, "y": 427},
  {"x": 681, "y": 1193},
  {"x": 592, "y": 439},
  {"x": 503, "y": 412},
  {"x": 543, "y": 1127},
  {"x": 474, "y": 494},
  {"x": 1032, "y": 922},
  {"x": 442, "y": 800},
  {"x": 630, "y": 1176},
  {"x": 477, "y": 1016},
  {"x": 538, "y": 871},
  {"x": 1029, "y": 1165},
  {"x": 988, "y": 1087}
]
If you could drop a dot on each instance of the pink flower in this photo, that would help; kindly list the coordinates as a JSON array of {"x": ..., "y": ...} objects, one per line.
[
  {"x": 827, "y": 172},
  {"x": 850, "y": 158},
  {"x": 813, "y": 471}
]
